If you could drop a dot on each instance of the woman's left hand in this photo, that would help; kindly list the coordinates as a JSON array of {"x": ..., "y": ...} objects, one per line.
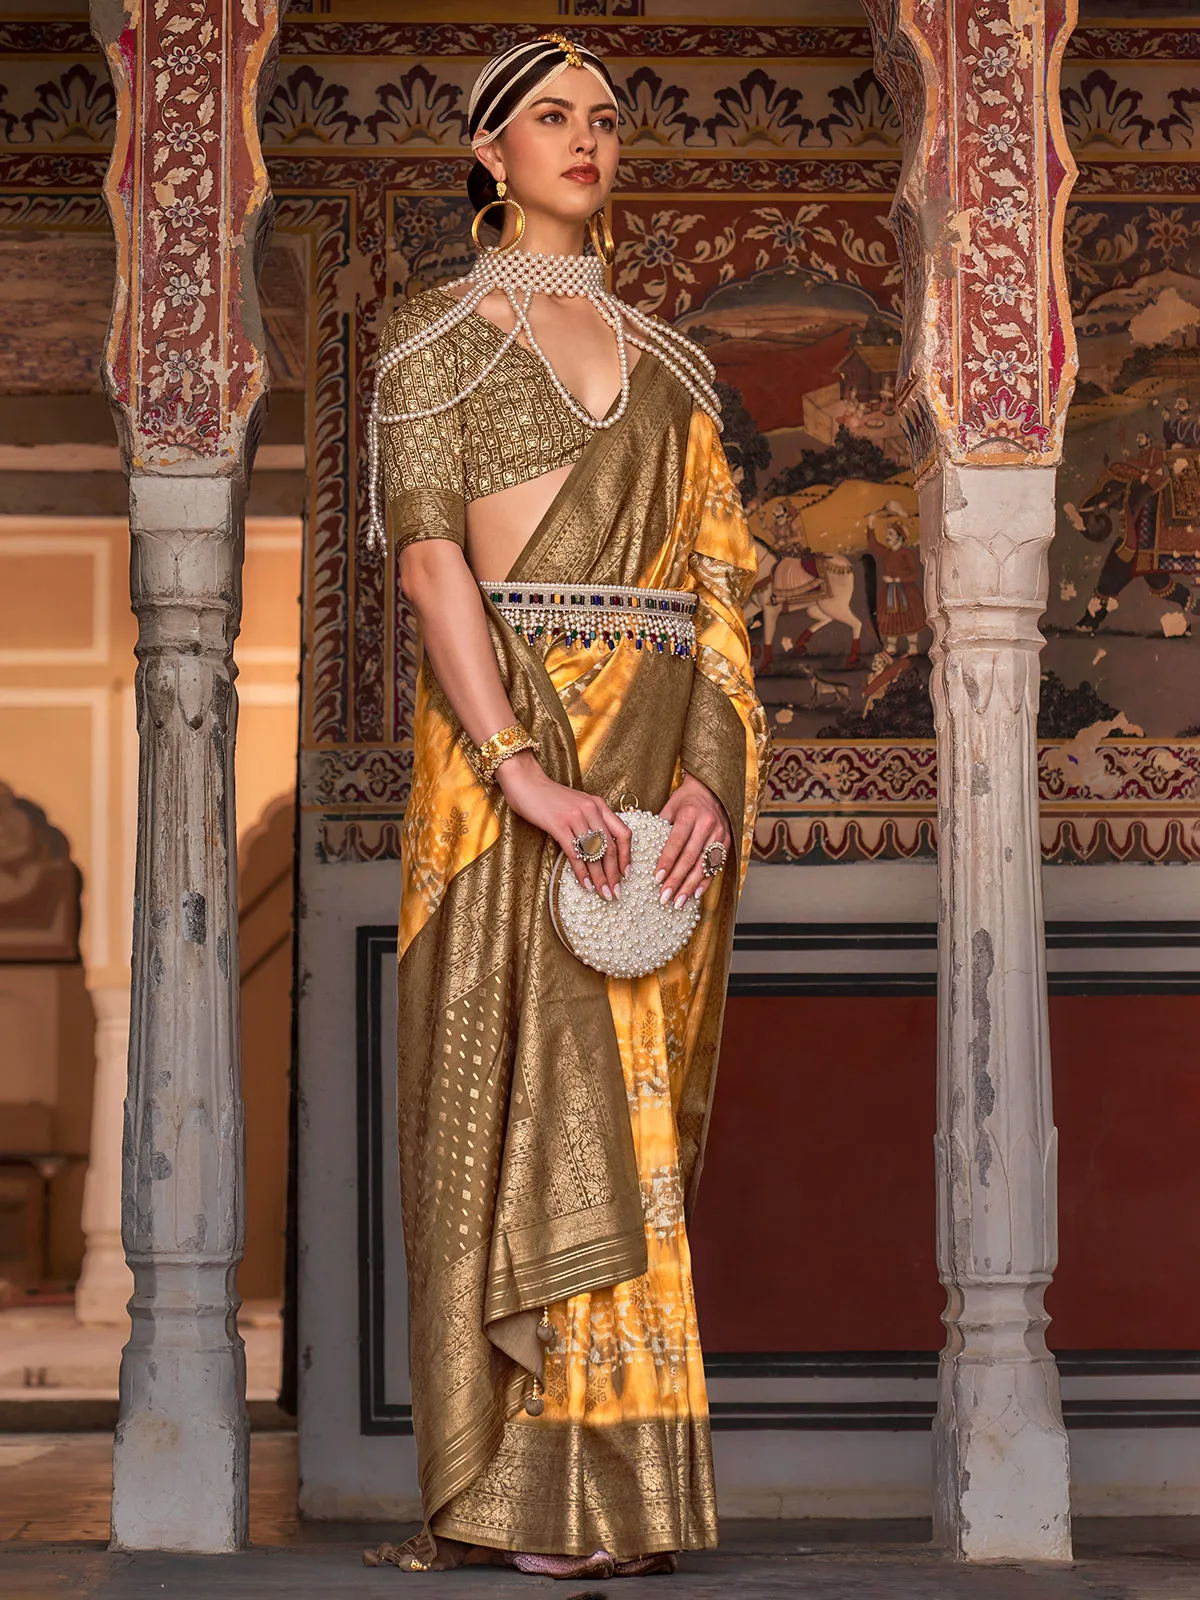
[{"x": 697, "y": 820}]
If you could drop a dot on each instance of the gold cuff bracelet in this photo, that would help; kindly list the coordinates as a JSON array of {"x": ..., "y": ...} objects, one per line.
[{"x": 488, "y": 756}]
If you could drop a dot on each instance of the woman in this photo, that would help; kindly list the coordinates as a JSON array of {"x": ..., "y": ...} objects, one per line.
[{"x": 536, "y": 437}]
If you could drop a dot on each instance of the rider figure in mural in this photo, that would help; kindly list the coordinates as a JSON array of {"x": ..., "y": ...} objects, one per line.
[
  {"x": 1181, "y": 430},
  {"x": 1150, "y": 491}
]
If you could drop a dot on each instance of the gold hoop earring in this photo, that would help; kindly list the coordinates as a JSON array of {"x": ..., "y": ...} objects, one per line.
[
  {"x": 501, "y": 191},
  {"x": 603, "y": 242}
]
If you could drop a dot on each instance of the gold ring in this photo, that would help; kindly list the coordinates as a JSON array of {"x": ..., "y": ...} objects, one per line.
[
  {"x": 592, "y": 845},
  {"x": 710, "y": 871}
]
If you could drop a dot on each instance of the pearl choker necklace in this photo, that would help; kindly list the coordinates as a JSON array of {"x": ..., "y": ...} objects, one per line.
[
  {"x": 522, "y": 269},
  {"x": 521, "y": 274}
]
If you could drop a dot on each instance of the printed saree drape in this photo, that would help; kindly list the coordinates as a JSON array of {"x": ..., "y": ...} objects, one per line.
[{"x": 552, "y": 1121}]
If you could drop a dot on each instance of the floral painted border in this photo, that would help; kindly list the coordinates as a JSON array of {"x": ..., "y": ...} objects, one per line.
[
  {"x": 432, "y": 40},
  {"x": 327, "y": 222},
  {"x": 1124, "y": 800},
  {"x": 837, "y": 800},
  {"x": 30, "y": 37},
  {"x": 736, "y": 112},
  {"x": 1165, "y": 179},
  {"x": 1149, "y": 41}
]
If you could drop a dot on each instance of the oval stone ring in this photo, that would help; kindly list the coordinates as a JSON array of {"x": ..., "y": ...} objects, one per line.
[
  {"x": 591, "y": 846},
  {"x": 711, "y": 866}
]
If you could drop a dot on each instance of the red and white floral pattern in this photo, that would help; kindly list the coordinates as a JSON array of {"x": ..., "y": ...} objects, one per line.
[
  {"x": 991, "y": 354},
  {"x": 182, "y": 360}
]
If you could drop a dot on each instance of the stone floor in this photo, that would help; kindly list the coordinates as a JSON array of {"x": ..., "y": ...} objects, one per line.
[{"x": 54, "y": 1499}]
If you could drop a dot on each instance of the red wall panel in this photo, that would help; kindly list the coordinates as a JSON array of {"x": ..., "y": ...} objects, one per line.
[
  {"x": 1127, "y": 1105},
  {"x": 814, "y": 1229}
]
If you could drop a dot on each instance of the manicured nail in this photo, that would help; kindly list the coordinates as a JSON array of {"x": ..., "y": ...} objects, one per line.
[
  {"x": 660, "y": 874},
  {"x": 698, "y": 892},
  {"x": 617, "y": 890},
  {"x": 606, "y": 891},
  {"x": 588, "y": 884},
  {"x": 681, "y": 902},
  {"x": 665, "y": 895}
]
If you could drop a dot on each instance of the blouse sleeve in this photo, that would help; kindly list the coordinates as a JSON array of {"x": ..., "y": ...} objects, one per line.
[{"x": 422, "y": 459}]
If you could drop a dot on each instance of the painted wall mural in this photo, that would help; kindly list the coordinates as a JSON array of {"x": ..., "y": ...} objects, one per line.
[
  {"x": 752, "y": 209},
  {"x": 838, "y": 615}
]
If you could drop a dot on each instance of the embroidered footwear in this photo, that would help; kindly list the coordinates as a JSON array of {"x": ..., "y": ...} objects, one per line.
[
  {"x": 664, "y": 1561},
  {"x": 598, "y": 1565}
]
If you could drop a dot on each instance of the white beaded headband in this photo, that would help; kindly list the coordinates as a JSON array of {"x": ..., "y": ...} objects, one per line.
[{"x": 488, "y": 92}]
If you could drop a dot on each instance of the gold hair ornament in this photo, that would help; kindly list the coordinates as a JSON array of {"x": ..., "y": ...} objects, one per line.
[{"x": 574, "y": 59}]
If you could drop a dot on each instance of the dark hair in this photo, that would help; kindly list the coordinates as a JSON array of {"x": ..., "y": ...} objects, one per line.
[{"x": 481, "y": 187}]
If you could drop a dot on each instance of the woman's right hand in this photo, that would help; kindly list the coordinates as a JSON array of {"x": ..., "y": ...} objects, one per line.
[{"x": 564, "y": 814}]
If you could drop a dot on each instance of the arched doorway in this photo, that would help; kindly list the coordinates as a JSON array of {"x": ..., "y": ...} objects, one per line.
[{"x": 47, "y": 1063}]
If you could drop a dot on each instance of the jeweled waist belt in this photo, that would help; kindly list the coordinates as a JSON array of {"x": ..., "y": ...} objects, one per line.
[{"x": 655, "y": 619}]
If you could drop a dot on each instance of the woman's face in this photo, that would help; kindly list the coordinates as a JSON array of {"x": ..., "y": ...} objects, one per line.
[{"x": 559, "y": 156}]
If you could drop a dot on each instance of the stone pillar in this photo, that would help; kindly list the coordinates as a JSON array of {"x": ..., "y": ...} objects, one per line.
[
  {"x": 181, "y": 1450},
  {"x": 1000, "y": 1450},
  {"x": 986, "y": 373},
  {"x": 185, "y": 372},
  {"x": 105, "y": 1283}
]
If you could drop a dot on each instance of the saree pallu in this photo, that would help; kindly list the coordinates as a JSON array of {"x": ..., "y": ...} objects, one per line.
[{"x": 552, "y": 1121}]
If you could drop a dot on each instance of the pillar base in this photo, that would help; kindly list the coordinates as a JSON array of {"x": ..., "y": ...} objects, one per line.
[
  {"x": 1001, "y": 1464},
  {"x": 181, "y": 1455}
]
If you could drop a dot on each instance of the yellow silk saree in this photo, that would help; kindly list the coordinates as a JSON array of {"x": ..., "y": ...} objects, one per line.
[{"x": 551, "y": 1120}]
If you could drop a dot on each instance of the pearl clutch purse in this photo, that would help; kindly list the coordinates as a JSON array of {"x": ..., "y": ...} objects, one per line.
[{"x": 634, "y": 935}]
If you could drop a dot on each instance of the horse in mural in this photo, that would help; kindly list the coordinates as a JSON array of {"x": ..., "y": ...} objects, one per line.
[
  {"x": 1149, "y": 506},
  {"x": 820, "y": 586}
]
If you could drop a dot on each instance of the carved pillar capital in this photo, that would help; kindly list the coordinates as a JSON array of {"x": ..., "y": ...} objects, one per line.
[
  {"x": 985, "y": 544},
  {"x": 185, "y": 564}
]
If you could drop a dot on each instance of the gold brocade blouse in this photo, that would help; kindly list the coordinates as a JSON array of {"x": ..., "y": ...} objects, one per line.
[{"x": 511, "y": 428}]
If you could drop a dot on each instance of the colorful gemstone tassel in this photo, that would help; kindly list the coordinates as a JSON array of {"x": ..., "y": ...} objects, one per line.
[{"x": 662, "y": 618}]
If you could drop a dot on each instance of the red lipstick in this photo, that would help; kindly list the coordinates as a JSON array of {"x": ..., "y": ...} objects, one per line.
[{"x": 585, "y": 172}]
